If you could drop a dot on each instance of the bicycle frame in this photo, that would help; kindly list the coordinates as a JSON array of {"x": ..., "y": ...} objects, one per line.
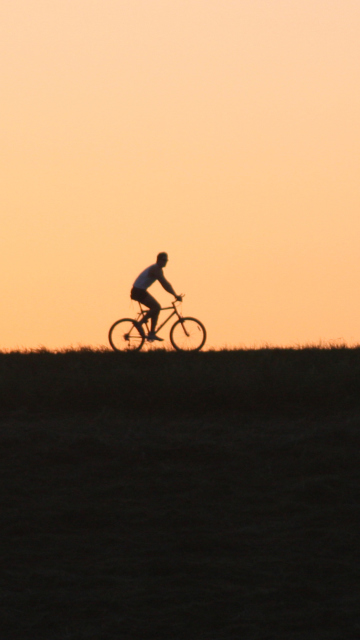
[{"x": 143, "y": 312}]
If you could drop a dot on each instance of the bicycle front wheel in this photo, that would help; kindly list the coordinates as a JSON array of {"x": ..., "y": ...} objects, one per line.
[
  {"x": 188, "y": 334},
  {"x": 125, "y": 335}
]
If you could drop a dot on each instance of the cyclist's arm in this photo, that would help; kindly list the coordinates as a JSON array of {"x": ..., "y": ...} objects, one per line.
[
  {"x": 157, "y": 272},
  {"x": 167, "y": 286}
]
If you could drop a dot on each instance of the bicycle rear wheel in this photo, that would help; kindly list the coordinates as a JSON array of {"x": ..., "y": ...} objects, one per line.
[
  {"x": 188, "y": 334},
  {"x": 125, "y": 335}
]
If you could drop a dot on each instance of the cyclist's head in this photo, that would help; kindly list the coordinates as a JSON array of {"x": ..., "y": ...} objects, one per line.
[{"x": 162, "y": 258}]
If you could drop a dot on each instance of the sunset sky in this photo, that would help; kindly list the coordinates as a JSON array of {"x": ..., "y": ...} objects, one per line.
[{"x": 225, "y": 132}]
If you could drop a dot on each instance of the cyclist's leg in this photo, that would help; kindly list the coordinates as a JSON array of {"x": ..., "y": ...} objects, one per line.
[{"x": 154, "y": 310}]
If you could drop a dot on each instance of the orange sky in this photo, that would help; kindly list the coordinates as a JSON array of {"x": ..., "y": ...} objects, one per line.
[{"x": 225, "y": 132}]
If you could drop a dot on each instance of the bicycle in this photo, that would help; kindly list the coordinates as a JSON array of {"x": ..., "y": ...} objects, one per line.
[{"x": 186, "y": 334}]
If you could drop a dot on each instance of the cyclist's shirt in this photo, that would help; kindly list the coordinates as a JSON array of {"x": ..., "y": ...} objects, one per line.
[{"x": 147, "y": 277}]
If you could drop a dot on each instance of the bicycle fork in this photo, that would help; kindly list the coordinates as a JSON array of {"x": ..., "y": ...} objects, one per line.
[{"x": 183, "y": 326}]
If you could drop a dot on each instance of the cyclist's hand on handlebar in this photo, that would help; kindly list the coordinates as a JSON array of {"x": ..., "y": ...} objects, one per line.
[{"x": 179, "y": 298}]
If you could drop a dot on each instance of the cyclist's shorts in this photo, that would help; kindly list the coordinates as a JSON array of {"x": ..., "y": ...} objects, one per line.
[{"x": 138, "y": 294}]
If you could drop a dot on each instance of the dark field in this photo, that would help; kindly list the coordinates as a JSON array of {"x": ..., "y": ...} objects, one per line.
[{"x": 206, "y": 496}]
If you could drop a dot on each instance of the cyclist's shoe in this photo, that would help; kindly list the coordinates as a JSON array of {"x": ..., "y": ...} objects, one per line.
[{"x": 152, "y": 336}]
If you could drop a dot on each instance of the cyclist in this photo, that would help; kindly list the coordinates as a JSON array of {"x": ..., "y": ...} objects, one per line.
[{"x": 139, "y": 291}]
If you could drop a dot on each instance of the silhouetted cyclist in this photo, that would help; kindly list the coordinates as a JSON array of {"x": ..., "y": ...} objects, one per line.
[{"x": 143, "y": 282}]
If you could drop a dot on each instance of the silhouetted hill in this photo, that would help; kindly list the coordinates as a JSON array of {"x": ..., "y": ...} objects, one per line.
[
  {"x": 265, "y": 380},
  {"x": 180, "y": 496}
]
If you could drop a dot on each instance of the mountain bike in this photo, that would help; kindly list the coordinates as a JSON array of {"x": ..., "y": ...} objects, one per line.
[{"x": 130, "y": 334}]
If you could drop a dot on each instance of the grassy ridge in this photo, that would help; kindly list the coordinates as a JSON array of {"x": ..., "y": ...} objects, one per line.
[
  {"x": 268, "y": 380},
  {"x": 209, "y": 496}
]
